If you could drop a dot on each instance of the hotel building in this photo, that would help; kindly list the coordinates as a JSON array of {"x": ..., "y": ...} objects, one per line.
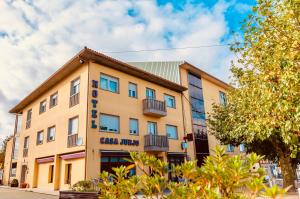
[{"x": 94, "y": 110}]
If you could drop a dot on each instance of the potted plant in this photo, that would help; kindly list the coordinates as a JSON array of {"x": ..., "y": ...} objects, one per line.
[
  {"x": 14, "y": 183},
  {"x": 24, "y": 185},
  {"x": 81, "y": 189}
]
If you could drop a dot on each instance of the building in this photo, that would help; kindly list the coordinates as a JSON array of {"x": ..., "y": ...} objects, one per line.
[{"x": 89, "y": 114}]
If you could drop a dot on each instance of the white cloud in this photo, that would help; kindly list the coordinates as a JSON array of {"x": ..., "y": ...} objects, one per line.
[{"x": 41, "y": 36}]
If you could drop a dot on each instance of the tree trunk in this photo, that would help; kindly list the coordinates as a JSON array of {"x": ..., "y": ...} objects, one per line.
[{"x": 287, "y": 170}]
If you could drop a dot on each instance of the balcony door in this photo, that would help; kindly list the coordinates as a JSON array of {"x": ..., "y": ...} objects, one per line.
[{"x": 152, "y": 128}]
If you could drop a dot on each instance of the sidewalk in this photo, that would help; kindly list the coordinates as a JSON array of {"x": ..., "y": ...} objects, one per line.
[{"x": 35, "y": 190}]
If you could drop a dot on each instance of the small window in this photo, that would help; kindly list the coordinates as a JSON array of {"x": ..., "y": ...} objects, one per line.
[
  {"x": 223, "y": 100},
  {"x": 133, "y": 127},
  {"x": 75, "y": 87},
  {"x": 150, "y": 93},
  {"x": 109, "y": 83},
  {"x": 170, "y": 101},
  {"x": 50, "y": 174},
  {"x": 171, "y": 131},
  {"x": 28, "y": 118},
  {"x": 132, "y": 90},
  {"x": 26, "y": 142},
  {"x": 53, "y": 100},
  {"x": 230, "y": 148},
  {"x": 152, "y": 128},
  {"x": 109, "y": 123},
  {"x": 51, "y": 134},
  {"x": 40, "y": 138},
  {"x": 73, "y": 126},
  {"x": 68, "y": 171},
  {"x": 43, "y": 105}
]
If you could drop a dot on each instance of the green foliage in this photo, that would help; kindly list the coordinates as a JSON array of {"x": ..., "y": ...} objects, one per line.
[
  {"x": 264, "y": 109},
  {"x": 83, "y": 186},
  {"x": 14, "y": 183},
  {"x": 221, "y": 176}
]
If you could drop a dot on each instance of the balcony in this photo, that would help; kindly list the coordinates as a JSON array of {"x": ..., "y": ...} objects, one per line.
[
  {"x": 154, "y": 108},
  {"x": 158, "y": 143},
  {"x": 74, "y": 99},
  {"x": 72, "y": 140}
]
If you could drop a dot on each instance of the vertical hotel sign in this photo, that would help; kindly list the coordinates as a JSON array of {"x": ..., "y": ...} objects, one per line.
[{"x": 94, "y": 102}]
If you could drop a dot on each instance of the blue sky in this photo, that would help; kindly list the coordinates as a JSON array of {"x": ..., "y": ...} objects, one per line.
[{"x": 37, "y": 37}]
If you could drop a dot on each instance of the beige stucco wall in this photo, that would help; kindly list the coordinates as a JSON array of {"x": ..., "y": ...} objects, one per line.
[
  {"x": 126, "y": 107},
  {"x": 78, "y": 167},
  {"x": 43, "y": 175},
  {"x": 7, "y": 161},
  {"x": 58, "y": 116}
]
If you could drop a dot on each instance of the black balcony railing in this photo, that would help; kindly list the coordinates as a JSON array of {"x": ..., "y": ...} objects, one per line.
[
  {"x": 72, "y": 140},
  {"x": 74, "y": 99},
  {"x": 156, "y": 143},
  {"x": 154, "y": 107}
]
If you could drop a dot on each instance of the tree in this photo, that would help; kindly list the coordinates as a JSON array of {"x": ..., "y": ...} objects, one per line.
[
  {"x": 3, "y": 150},
  {"x": 263, "y": 111}
]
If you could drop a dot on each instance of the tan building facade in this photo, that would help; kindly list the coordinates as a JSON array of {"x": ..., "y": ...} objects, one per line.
[{"x": 93, "y": 111}]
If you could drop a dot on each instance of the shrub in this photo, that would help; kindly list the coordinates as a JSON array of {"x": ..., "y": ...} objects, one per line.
[
  {"x": 221, "y": 176},
  {"x": 83, "y": 186},
  {"x": 14, "y": 183}
]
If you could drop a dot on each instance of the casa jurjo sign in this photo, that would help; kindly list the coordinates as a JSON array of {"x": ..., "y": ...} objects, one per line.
[{"x": 121, "y": 142}]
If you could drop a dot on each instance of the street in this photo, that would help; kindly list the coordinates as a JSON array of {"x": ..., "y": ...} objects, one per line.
[{"x": 17, "y": 194}]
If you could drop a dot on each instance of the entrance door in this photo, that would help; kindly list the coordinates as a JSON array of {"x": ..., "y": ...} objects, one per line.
[{"x": 23, "y": 173}]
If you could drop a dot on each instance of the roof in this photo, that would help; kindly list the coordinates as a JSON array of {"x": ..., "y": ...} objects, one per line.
[
  {"x": 170, "y": 70},
  {"x": 87, "y": 54},
  {"x": 166, "y": 69}
]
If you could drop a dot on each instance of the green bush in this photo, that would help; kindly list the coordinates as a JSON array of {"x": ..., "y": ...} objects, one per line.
[
  {"x": 221, "y": 176},
  {"x": 14, "y": 183},
  {"x": 83, "y": 186}
]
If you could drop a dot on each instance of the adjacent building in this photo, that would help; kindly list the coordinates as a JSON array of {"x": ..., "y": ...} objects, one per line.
[{"x": 94, "y": 110}]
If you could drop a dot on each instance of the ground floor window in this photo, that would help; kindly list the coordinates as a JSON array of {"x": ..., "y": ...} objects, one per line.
[
  {"x": 13, "y": 169},
  {"x": 111, "y": 160}
]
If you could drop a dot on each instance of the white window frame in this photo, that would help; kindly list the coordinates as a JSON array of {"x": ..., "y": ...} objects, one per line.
[
  {"x": 48, "y": 134},
  {"x": 166, "y": 96},
  {"x": 53, "y": 96},
  {"x": 172, "y": 126},
  {"x": 137, "y": 126},
  {"x": 40, "y": 137},
  {"x": 130, "y": 90},
  {"x": 70, "y": 126},
  {"x": 109, "y": 79},
  {"x": 75, "y": 87},
  {"x": 109, "y": 130}
]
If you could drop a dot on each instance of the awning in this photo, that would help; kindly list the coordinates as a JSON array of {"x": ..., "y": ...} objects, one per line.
[
  {"x": 116, "y": 153},
  {"x": 73, "y": 155},
  {"x": 45, "y": 160}
]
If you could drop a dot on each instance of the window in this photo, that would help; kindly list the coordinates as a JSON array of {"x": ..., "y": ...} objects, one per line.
[
  {"x": 242, "y": 148},
  {"x": 51, "y": 134},
  {"x": 197, "y": 105},
  {"x": 170, "y": 101},
  {"x": 26, "y": 142},
  {"x": 109, "y": 83},
  {"x": 73, "y": 126},
  {"x": 53, "y": 100},
  {"x": 43, "y": 105},
  {"x": 132, "y": 90},
  {"x": 171, "y": 131},
  {"x": 50, "y": 174},
  {"x": 109, "y": 123},
  {"x": 230, "y": 148},
  {"x": 194, "y": 80},
  {"x": 223, "y": 100},
  {"x": 28, "y": 119},
  {"x": 152, "y": 128},
  {"x": 133, "y": 127},
  {"x": 150, "y": 93},
  {"x": 40, "y": 137},
  {"x": 75, "y": 86},
  {"x": 13, "y": 170},
  {"x": 68, "y": 171}
]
